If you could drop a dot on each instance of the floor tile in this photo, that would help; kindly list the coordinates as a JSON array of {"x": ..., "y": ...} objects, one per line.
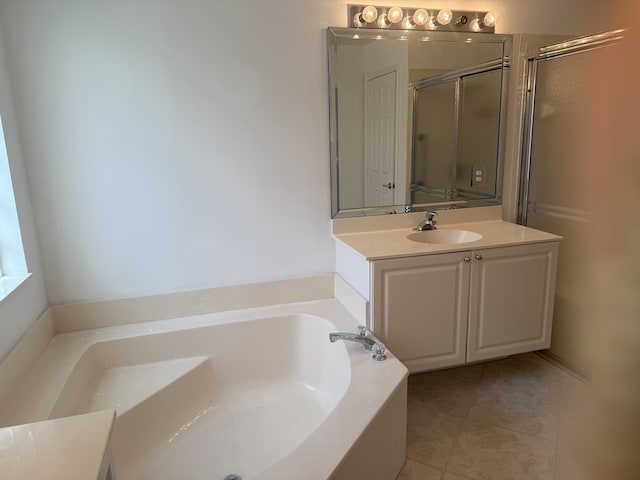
[
  {"x": 446, "y": 391},
  {"x": 576, "y": 430},
  {"x": 510, "y": 405},
  {"x": 454, "y": 476},
  {"x": 431, "y": 435},
  {"x": 486, "y": 452},
  {"x": 528, "y": 367},
  {"x": 418, "y": 471},
  {"x": 520, "y": 418}
]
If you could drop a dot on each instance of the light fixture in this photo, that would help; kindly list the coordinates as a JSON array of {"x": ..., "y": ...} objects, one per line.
[
  {"x": 393, "y": 15},
  {"x": 396, "y": 18},
  {"x": 488, "y": 21},
  {"x": 366, "y": 15},
  {"x": 419, "y": 17},
  {"x": 444, "y": 17}
]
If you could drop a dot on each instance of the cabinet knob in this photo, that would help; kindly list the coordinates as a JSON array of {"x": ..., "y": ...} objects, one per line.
[
  {"x": 478, "y": 256},
  {"x": 467, "y": 259}
]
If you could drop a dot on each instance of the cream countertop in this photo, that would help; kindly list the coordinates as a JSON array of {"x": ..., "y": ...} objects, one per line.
[
  {"x": 392, "y": 243},
  {"x": 69, "y": 448}
]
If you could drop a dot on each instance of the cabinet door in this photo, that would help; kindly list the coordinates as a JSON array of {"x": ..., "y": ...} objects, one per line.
[
  {"x": 511, "y": 300},
  {"x": 420, "y": 308}
]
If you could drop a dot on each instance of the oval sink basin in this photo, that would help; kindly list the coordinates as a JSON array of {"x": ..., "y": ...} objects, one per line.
[{"x": 444, "y": 236}]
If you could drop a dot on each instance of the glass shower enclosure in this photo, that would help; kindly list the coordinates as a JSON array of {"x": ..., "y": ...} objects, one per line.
[{"x": 456, "y": 129}]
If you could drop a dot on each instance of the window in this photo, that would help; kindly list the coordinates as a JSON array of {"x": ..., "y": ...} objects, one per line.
[{"x": 13, "y": 266}]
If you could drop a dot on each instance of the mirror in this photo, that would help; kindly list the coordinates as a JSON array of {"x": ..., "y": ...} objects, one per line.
[{"x": 415, "y": 119}]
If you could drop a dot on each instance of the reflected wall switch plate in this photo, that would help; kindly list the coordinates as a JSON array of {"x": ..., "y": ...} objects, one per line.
[{"x": 478, "y": 176}]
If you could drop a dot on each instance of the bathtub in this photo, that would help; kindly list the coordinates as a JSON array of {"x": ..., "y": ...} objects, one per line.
[{"x": 258, "y": 393}]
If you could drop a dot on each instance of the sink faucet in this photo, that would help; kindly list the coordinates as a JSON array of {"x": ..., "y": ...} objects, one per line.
[
  {"x": 428, "y": 223},
  {"x": 361, "y": 337}
]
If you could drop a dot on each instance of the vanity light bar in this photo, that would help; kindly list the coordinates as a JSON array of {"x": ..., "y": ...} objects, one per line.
[{"x": 397, "y": 18}]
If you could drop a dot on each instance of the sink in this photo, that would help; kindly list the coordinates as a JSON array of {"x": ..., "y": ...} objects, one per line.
[{"x": 444, "y": 236}]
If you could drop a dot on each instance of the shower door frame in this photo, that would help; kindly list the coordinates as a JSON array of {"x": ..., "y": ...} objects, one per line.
[{"x": 562, "y": 49}]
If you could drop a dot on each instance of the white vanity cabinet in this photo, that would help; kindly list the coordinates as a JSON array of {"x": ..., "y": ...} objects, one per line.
[{"x": 445, "y": 309}]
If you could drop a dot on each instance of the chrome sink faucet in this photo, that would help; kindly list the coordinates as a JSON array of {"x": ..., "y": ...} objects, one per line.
[
  {"x": 362, "y": 338},
  {"x": 428, "y": 223}
]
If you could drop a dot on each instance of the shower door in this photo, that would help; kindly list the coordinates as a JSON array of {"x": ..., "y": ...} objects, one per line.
[
  {"x": 553, "y": 194},
  {"x": 455, "y": 138}
]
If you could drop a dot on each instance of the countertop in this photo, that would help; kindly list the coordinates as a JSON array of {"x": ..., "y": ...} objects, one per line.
[
  {"x": 393, "y": 243},
  {"x": 69, "y": 448}
]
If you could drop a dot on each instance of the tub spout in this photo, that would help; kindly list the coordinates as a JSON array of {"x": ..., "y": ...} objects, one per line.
[
  {"x": 360, "y": 338},
  {"x": 366, "y": 342}
]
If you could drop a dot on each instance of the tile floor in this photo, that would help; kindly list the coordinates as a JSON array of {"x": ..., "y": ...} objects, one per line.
[{"x": 513, "y": 419}]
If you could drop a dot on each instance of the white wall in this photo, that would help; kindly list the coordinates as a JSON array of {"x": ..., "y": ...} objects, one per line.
[
  {"x": 28, "y": 301},
  {"x": 182, "y": 144}
]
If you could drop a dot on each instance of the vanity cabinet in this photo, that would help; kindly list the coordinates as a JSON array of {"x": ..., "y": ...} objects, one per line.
[{"x": 440, "y": 310}]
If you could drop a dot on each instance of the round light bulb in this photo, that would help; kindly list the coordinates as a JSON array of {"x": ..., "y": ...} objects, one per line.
[
  {"x": 407, "y": 23},
  {"x": 383, "y": 21},
  {"x": 444, "y": 17},
  {"x": 489, "y": 19},
  {"x": 420, "y": 16},
  {"x": 369, "y": 14},
  {"x": 358, "y": 21},
  {"x": 475, "y": 25},
  {"x": 395, "y": 14}
]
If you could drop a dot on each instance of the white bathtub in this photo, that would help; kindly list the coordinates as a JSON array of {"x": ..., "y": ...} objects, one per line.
[{"x": 260, "y": 393}]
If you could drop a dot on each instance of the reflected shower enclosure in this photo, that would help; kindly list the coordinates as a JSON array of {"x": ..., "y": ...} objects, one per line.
[{"x": 456, "y": 128}]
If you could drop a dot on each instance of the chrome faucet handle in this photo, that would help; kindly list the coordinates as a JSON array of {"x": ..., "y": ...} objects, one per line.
[
  {"x": 379, "y": 351},
  {"x": 362, "y": 330},
  {"x": 429, "y": 215}
]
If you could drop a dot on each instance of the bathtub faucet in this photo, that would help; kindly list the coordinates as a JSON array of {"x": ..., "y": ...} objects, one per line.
[{"x": 361, "y": 337}]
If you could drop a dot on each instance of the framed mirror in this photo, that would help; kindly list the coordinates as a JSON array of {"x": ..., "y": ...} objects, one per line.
[{"x": 415, "y": 119}]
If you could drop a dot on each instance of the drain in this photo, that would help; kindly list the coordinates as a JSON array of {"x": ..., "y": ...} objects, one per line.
[{"x": 233, "y": 476}]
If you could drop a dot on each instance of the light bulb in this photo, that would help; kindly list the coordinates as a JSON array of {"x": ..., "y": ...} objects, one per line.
[
  {"x": 358, "y": 21},
  {"x": 395, "y": 14},
  {"x": 444, "y": 17},
  {"x": 407, "y": 23},
  {"x": 489, "y": 19},
  {"x": 369, "y": 14},
  {"x": 383, "y": 21},
  {"x": 420, "y": 16},
  {"x": 475, "y": 25}
]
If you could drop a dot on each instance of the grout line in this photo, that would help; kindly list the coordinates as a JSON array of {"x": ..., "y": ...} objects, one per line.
[{"x": 464, "y": 423}]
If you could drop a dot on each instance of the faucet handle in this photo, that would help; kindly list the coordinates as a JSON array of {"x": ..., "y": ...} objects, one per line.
[
  {"x": 430, "y": 215},
  {"x": 362, "y": 330},
  {"x": 379, "y": 351}
]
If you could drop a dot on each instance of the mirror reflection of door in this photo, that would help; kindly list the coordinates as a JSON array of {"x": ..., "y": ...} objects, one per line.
[{"x": 380, "y": 139}]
